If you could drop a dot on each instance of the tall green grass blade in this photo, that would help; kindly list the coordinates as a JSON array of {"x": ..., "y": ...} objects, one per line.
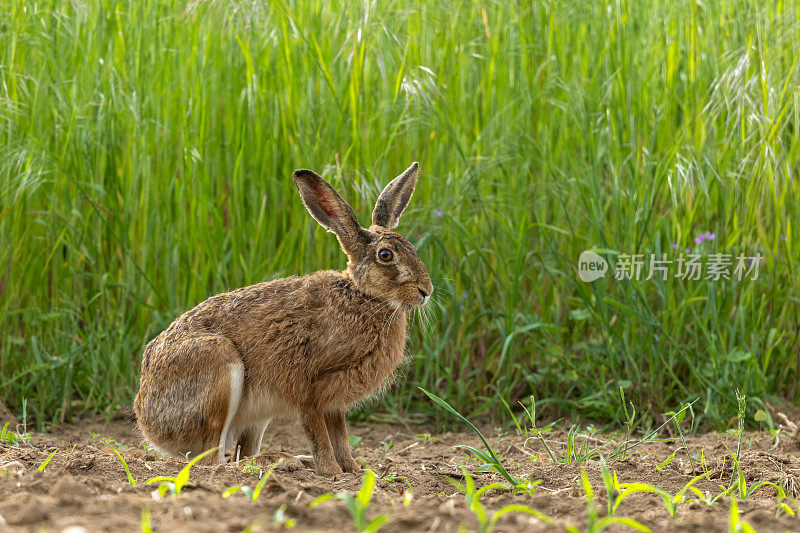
[{"x": 490, "y": 458}]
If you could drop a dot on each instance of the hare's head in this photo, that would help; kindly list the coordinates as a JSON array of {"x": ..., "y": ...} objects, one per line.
[{"x": 382, "y": 263}]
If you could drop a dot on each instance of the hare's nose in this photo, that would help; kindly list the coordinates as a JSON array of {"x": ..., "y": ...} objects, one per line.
[{"x": 426, "y": 295}]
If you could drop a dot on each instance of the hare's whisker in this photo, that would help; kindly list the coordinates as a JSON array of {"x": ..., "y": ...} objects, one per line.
[
  {"x": 389, "y": 322},
  {"x": 376, "y": 309}
]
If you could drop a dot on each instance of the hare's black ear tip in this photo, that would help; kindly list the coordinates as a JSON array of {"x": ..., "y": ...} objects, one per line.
[
  {"x": 303, "y": 175},
  {"x": 300, "y": 172},
  {"x": 414, "y": 165}
]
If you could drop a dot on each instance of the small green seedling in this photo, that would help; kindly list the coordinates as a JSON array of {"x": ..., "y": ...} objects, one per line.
[
  {"x": 740, "y": 484},
  {"x": 124, "y": 467},
  {"x": 145, "y": 524},
  {"x": 391, "y": 477},
  {"x": 575, "y": 453},
  {"x": 735, "y": 524},
  {"x": 426, "y": 437},
  {"x": 279, "y": 518},
  {"x": 521, "y": 429},
  {"x": 10, "y": 438},
  {"x": 668, "y": 460},
  {"x": 252, "y": 494},
  {"x": 175, "y": 484},
  {"x": 46, "y": 461},
  {"x": 784, "y": 508},
  {"x": 473, "y": 502},
  {"x": 249, "y": 466},
  {"x": 670, "y": 502},
  {"x": 704, "y": 497},
  {"x": 108, "y": 440},
  {"x": 358, "y": 505},
  {"x": 626, "y": 446},
  {"x": 532, "y": 418},
  {"x": 595, "y": 523}
]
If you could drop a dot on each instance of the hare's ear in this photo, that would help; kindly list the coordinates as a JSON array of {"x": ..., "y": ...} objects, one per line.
[
  {"x": 394, "y": 198},
  {"x": 328, "y": 208}
]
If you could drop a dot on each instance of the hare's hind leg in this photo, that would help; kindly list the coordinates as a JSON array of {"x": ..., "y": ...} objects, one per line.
[
  {"x": 230, "y": 396},
  {"x": 249, "y": 442},
  {"x": 189, "y": 395}
]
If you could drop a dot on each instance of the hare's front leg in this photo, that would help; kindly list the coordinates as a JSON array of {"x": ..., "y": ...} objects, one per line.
[
  {"x": 337, "y": 429},
  {"x": 317, "y": 433}
]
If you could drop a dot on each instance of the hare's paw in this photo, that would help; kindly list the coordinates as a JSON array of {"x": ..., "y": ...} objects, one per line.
[
  {"x": 328, "y": 468},
  {"x": 350, "y": 465}
]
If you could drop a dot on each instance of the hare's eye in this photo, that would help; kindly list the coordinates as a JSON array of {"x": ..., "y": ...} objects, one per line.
[{"x": 385, "y": 255}]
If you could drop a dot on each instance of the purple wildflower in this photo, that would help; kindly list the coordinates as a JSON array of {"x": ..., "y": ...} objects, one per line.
[
  {"x": 783, "y": 237},
  {"x": 707, "y": 236},
  {"x": 674, "y": 246},
  {"x": 437, "y": 212}
]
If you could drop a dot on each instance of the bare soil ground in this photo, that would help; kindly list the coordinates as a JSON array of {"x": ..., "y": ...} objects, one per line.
[{"x": 84, "y": 484}]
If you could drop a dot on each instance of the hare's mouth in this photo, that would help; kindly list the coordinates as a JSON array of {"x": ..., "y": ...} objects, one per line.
[
  {"x": 408, "y": 302},
  {"x": 395, "y": 304}
]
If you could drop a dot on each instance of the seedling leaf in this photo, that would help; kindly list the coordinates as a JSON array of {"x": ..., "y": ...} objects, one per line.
[
  {"x": 230, "y": 492},
  {"x": 145, "y": 524},
  {"x": 376, "y": 523},
  {"x": 365, "y": 493},
  {"x": 46, "y": 461},
  {"x": 322, "y": 499},
  {"x": 183, "y": 476},
  {"x": 587, "y": 486},
  {"x": 125, "y": 467},
  {"x": 260, "y": 485},
  {"x": 519, "y": 509},
  {"x": 630, "y": 522}
]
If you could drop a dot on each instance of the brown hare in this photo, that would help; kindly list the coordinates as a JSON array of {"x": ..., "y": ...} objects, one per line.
[{"x": 313, "y": 345}]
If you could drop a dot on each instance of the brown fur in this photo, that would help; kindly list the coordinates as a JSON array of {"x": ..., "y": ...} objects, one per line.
[{"x": 314, "y": 345}]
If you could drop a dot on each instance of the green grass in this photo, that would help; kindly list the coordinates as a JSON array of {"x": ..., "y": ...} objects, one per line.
[{"x": 146, "y": 152}]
